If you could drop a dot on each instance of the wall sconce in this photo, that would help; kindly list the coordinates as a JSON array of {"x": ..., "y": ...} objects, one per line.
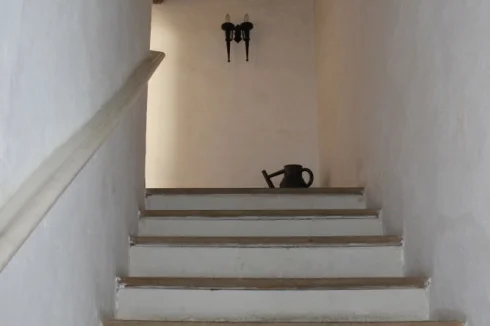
[
  {"x": 246, "y": 27},
  {"x": 229, "y": 29},
  {"x": 237, "y": 33}
]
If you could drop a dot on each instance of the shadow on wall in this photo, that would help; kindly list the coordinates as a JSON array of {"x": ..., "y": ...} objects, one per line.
[{"x": 218, "y": 124}]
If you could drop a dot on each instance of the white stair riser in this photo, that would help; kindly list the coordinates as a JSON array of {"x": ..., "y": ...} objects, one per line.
[
  {"x": 244, "y": 202},
  {"x": 263, "y": 227},
  {"x": 286, "y": 305},
  {"x": 266, "y": 262}
]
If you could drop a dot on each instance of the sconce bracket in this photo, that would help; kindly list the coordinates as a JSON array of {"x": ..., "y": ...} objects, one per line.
[{"x": 238, "y": 33}]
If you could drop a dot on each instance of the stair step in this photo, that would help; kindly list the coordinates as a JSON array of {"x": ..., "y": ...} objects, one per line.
[
  {"x": 224, "y": 299},
  {"x": 255, "y": 198},
  {"x": 266, "y": 262},
  {"x": 267, "y": 256},
  {"x": 268, "y": 213},
  {"x": 258, "y": 226},
  {"x": 335, "y": 241},
  {"x": 215, "y": 284},
  {"x": 171, "y": 323}
]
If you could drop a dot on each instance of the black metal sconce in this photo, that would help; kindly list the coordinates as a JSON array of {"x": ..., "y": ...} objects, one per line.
[
  {"x": 237, "y": 33},
  {"x": 246, "y": 27},
  {"x": 229, "y": 29}
]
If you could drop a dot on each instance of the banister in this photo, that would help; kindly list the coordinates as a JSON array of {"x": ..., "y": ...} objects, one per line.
[{"x": 39, "y": 192}]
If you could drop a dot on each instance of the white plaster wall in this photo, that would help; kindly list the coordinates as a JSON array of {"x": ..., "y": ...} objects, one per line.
[
  {"x": 414, "y": 79},
  {"x": 60, "y": 61},
  {"x": 218, "y": 124}
]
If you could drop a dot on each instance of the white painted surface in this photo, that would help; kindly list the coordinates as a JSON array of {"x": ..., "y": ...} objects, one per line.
[
  {"x": 240, "y": 305},
  {"x": 411, "y": 78},
  {"x": 258, "y": 227},
  {"x": 64, "y": 273},
  {"x": 218, "y": 124},
  {"x": 266, "y": 262},
  {"x": 38, "y": 194},
  {"x": 241, "y": 202},
  {"x": 60, "y": 62}
]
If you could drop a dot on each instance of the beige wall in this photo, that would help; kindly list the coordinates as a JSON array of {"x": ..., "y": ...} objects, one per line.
[
  {"x": 338, "y": 68},
  {"x": 218, "y": 124},
  {"x": 405, "y": 92}
]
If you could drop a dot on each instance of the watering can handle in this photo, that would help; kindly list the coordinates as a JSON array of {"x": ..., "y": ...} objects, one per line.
[
  {"x": 312, "y": 177},
  {"x": 268, "y": 177}
]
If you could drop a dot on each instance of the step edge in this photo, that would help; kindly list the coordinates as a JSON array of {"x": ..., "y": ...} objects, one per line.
[
  {"x": 220, "y": 213},
  {"x": 257, "y": 218},
  {"x": 273, "y": 284},
  {"x": 341, "y": 191},
  {"x": 231, "y": 323},
  {"x": 246, "y": 242}
]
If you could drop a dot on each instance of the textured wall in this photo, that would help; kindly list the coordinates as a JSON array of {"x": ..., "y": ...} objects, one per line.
[
  {"x": 412, "y": 107},
  {"x": 338, "y": 66},
  {"x": 59, "y": 62},
  {"x": 213, "y": 123}
]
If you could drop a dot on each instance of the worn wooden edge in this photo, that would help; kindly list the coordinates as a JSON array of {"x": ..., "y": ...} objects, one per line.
[
  {"x": 256, "y": 191},
  {"x": 360, "y": 213},
  {"x": 347, "y": 241},
  {"x": 275, "y": 283},
  {"x": 203, "y": 323},
  {"x": 35, "y": 197}
]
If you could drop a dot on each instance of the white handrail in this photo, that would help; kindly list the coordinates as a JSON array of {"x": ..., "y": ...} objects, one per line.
[{"x": 35, "y": 197}]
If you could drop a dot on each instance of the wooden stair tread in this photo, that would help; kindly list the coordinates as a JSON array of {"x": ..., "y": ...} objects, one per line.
[
  {"x": 170, "y": 323},
  {"x": 256, "y": 191},
  {"x": 354, "y": 241},
  {"x": 267, "y": 212},
  {"x": 276, "y": 283}
]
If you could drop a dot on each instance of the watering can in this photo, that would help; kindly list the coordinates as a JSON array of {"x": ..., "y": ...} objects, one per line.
[{"x": 293, "y": 177}]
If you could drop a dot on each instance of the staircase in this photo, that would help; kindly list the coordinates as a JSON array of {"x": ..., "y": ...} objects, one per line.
[{"x": 267, "y": 257}]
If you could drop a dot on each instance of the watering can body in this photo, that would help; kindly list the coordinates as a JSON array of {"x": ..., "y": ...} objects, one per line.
[{"x": 293, "y": 177}]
